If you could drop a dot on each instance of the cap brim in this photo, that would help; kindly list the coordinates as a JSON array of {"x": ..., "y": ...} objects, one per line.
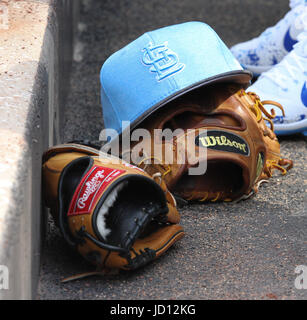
[{"x": 242, "y": 77}]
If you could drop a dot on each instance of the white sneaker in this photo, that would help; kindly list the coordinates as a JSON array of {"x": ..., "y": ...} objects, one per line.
[
  {"x": 286, "y": 83},
  {"x": 260, "y": 54}
]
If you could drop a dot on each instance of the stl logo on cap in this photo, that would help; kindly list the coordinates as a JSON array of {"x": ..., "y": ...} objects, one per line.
[
  {"x": 160, "y": 66},
  {"x": 162, "y": 59}
]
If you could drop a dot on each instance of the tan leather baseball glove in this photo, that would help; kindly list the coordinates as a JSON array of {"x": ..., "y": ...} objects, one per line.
[
  {"x": 114, "y": 214},
  {"x": 220, "y": 148}
]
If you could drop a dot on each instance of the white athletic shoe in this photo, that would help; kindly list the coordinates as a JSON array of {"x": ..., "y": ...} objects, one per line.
[
  {"x": 260, "y": 54},
  {"x": 286, "y": 83}
]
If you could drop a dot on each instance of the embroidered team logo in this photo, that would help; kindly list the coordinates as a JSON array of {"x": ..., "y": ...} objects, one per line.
[
  {"x": 223, "y": 141},
  {"x": 163, "y": 61}
]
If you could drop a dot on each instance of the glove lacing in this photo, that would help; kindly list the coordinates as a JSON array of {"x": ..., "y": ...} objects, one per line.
[
  {"x": 258, "y": 108},
  {"x": 168, "y": 170}
]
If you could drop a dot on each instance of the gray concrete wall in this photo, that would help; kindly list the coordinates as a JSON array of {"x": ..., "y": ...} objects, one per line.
[{"x": 36, "y": 45}]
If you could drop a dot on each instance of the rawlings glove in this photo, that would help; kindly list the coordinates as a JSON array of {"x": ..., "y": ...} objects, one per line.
[
  {"x": 220, "y": 131},
  {"x": 113, "y": 213}
]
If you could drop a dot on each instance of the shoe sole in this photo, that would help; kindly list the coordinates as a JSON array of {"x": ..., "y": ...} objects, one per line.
[{"x": 291, "y": 128}]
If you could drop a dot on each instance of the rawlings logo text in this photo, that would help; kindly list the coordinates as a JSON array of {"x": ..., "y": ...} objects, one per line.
[{"x": 91, "y": 187}]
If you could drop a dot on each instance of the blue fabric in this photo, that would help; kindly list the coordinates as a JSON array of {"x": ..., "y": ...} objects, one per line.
[{"x": 156, "y": 66}]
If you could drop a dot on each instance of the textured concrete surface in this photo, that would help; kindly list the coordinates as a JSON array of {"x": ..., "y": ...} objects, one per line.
[
  {"x": 21, "y": 108},
  {"x": 247, "y": 250},
  {"x": 30, "y": 42}
]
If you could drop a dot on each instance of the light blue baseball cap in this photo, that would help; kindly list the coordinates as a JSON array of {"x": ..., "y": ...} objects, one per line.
[{"x": 160, "y": 66}]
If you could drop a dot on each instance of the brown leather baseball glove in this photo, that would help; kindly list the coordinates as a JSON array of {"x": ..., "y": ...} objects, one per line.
[
  {"x": 220, "y": 148},
  {"x": 114, "y": 214}
]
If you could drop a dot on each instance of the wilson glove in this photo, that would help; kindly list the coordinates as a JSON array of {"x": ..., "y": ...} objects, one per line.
[{"x": 219, "y": 147}]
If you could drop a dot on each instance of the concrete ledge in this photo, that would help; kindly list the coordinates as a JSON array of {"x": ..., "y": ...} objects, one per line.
[{"x": 36, "y": 43}]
